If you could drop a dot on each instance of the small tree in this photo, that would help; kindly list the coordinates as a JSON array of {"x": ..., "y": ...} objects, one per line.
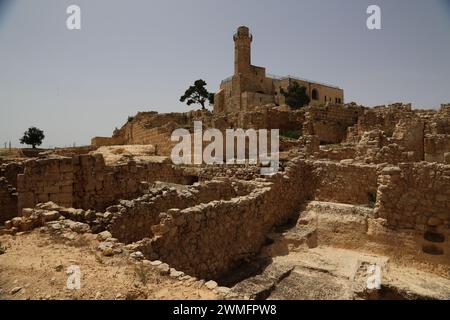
[
  {"x": 33, "y": 136},
  {"x": 296, "y": 96},
  {"x": 211, "y": 98},
  {"x": 197, "y": 94}
]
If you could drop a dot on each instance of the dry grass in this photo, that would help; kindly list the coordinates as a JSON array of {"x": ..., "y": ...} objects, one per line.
[
  {"x": 79, "y": 242},
  {"x": 141, "y": 272},
  {"x": 2, "y": 249},
  {"x": 10, "y": 153}
]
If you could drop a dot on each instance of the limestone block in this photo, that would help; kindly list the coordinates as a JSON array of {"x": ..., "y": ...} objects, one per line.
[{"x": 447, "y": 157}]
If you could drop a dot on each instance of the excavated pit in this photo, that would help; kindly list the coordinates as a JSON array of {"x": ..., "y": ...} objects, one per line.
[{"x": 319, "y": 269}]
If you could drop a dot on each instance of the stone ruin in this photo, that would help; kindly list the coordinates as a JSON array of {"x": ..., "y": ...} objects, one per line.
[{"x": 372, "y": 180}]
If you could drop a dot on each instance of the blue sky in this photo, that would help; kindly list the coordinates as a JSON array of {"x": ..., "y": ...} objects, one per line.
[{"x": 141, "y": 55}]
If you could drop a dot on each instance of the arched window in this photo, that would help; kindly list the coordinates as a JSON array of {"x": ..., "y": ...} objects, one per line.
[{"x": 315, "y": 94}]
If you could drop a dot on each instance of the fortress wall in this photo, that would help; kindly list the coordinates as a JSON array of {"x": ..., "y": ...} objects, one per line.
[
  {"x": 158, "y": 137},
  {"x": 107, "y": 141}
]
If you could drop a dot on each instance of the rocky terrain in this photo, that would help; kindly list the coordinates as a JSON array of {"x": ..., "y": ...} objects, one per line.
[{"x": 360, "y": 209}]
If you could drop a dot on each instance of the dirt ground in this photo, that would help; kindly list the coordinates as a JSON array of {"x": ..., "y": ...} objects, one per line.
[
  {"x": 115, "y": 154},
  {"x": 346, "y": 270},
  {"x": 37, "y": 264}
]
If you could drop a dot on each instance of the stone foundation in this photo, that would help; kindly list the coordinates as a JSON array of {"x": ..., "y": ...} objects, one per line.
[{"x": 85, "y": 182}]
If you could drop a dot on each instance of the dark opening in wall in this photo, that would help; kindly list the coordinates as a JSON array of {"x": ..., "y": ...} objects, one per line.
[
  {"x": 433, "y": 250},
  {"x": 372, "y": 199},
  {"x": 315, "y": 94},
  {"x": 434, "y": 237}
]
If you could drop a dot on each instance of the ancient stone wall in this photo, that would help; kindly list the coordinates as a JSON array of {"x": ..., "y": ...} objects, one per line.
[
  {"x": 383, "y": 118},
  {"x": 405, "y": 145},
  {"x": 107, "y": 141},
  {"x": 337, "y": 153},
  {"x": 45, "y": 180},
  {"x": 133, "y": 220},
  {"x": 330, "y": 123},
  {"x": 8, "y": 200},
  {"x": 375, "y": 147},
  {"x": 437, "y": 148},
  {"x": 242, "y": 172},
  {"x": 408, "y": 134},
  {"x": 10, "y": 172},
  {"x": 345, "y": 183},
  {"x": 438, "y": 122},
  {"x": 85, "y": 182},
  {"x": 210, "y": 239},
  {"x": 270, "y": 117},
  {"x": 416, "y": 196},
  {"x": 411, "y": 194}
]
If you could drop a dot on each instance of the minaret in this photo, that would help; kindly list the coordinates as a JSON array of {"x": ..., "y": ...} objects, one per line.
[{"x": 242, "y": 49}]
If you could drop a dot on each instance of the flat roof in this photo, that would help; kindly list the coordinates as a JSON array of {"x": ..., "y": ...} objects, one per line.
[{"x": 272, "y": 76}]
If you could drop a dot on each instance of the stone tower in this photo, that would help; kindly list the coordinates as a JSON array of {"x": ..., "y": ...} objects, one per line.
[{"x": 242, "y": 50}]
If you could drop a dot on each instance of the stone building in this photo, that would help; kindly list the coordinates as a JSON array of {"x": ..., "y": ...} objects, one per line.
[{"x": 250, "y": 86}]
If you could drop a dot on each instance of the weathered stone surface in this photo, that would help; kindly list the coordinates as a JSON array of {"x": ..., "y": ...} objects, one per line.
[
  {"x": 163, "y": 269},
  {"x": 211, "y": 284},
  {"x": 104, "y": 235},
  {"x": 137, "y": 255},
  {"x": 175, "y": 273},
  {"x": 16, "y": 290}
]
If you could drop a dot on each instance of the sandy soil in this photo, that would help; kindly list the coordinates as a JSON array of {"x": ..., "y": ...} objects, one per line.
[
  {"x": 37, "y": 264},
  {"x": 115, "y": 154}
]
